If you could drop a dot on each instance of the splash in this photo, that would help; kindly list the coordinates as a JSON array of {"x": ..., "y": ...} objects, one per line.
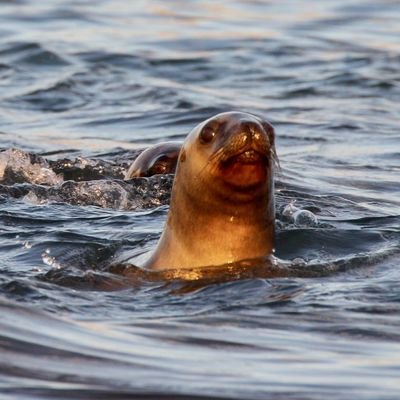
[{"x": 17, "y": 166}]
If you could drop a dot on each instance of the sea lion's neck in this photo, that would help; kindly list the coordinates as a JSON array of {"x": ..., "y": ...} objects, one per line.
[{"x": 196, "y": 235}]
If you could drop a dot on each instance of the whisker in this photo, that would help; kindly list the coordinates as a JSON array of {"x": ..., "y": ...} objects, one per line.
[
  {"x": 212, "y": 166},
  {"x": 275, "y": 160},
  {"x": 217, "y": 154}
]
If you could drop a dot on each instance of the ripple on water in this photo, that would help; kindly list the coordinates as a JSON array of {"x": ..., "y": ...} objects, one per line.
[{"x": 80, "y": 82}]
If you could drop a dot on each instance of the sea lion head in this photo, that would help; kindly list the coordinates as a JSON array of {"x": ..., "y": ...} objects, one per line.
[
  {"x": 222, "y": 200},
  {"x": 158, "y": 159},
  {"x": 229, "y": 157}
]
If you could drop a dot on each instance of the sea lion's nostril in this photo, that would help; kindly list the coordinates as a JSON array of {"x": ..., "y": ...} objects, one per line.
[
  {"x": 246, "y": 132},
  {"x": 250, "y": 132}
]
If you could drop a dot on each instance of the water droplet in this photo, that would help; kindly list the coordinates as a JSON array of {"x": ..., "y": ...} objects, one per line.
[
  {"x": 298, "y": 262},
  {"x": 50, "y": 261},
  {"x": 289, "y": 210},
  {"x": 305, "y": 217}
]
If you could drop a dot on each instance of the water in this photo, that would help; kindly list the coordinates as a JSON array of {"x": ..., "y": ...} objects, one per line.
[{"x": 92, "y": 86}]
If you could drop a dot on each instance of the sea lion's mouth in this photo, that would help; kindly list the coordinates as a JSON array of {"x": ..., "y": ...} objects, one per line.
[
  {"x": 249, "y": 156},
  {"x": 245, "y": 170}
]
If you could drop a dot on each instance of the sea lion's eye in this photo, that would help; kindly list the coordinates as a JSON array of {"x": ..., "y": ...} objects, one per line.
[
  {"x": 159, "y": 167},
  {"x": 207, "y": 135}
]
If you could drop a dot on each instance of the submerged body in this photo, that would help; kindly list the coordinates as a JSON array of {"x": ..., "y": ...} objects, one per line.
[{"x": 222, "y": 201}]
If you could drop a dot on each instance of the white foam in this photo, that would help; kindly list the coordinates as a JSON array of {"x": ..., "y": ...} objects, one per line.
[{"x": 19, "y": 162}]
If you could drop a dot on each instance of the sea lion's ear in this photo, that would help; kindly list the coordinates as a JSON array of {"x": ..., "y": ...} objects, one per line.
[{"x": 182, "y": 156}]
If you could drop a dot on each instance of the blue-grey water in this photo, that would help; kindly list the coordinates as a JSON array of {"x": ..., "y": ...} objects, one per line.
[{"x": 86, "y": 85}]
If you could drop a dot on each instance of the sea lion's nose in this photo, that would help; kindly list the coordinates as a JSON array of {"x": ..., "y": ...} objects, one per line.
[{"x": 250, "y": 131}]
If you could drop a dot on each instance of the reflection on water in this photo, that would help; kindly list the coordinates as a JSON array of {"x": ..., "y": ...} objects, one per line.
[{"x": 84, "y": 88}]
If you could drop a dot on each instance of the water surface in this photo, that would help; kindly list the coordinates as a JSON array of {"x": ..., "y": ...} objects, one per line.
[{"x": 94, "y": 85}]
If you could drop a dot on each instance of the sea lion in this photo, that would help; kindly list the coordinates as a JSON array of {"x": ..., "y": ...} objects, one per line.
[
  {"x": 222, "y": 201},
  {"x": 158, "y": 159}
]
